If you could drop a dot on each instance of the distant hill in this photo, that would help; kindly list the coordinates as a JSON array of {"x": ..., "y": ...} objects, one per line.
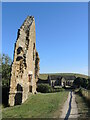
[{"x": 44, "y": 76}]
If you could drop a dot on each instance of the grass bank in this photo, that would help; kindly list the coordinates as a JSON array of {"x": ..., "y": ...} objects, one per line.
[
  {"x": 83, "y": 102},
  {"x": 45, "y": 76},
  {"x": 85, "y": 94},
  {"x": 83, "y": 108},
  {"x": 38, "y": 106}
]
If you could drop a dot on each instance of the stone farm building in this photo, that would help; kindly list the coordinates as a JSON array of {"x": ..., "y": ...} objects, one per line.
[
  {"x": 54, "y": 80},
  {"x": 25, "y": 67}
]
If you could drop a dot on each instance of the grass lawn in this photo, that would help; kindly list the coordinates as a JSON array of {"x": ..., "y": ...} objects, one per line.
[
  {"x": 38, "y": 106},
  {"x": 83, "y": 108}
]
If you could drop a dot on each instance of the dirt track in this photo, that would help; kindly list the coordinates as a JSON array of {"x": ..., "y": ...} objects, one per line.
[{"x": 70, "y": 109}]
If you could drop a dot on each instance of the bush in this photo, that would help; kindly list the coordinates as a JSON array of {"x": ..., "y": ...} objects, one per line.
[
  {"x": 58, "y": 89},
  {"x": 44, "y": 88},
  {"x": 80, "y": 91}
]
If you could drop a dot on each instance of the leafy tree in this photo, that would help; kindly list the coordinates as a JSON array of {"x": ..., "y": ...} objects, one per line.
[
  {"x": 85, "y": 83},
  {"x": 77, "y": 82},
  {"x": 88, "y": 86},
  {"x": 0, "y": 63},
  {"x": 81, "y": 82},
  {"x": 6, "y": 69}
]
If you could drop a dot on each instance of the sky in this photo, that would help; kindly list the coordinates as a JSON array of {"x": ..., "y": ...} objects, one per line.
[{"x": 61, "y": 34}]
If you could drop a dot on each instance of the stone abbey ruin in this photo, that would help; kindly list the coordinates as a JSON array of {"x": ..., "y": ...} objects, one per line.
[{"x": 25, "y": 67}]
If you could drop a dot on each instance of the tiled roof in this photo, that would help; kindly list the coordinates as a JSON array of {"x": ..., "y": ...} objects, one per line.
[{"x": 53, "y": 77}]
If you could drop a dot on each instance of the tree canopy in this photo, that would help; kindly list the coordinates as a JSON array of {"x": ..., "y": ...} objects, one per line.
[
  {"x": 81, "y": 82},
  {"x": 5, "y": 65}
]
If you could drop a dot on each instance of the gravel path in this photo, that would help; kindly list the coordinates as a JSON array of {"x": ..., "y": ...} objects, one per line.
[{"x": 70, "y": 109}]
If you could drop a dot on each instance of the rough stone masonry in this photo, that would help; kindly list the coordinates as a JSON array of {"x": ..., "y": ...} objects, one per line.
[{"x": 25, "y": 67}]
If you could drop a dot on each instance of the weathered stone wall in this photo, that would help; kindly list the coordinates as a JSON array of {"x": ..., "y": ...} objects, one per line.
[{"x": 25, "y": 67}]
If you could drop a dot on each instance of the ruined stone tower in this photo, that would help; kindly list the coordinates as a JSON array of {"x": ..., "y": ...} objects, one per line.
[{"x": 25, "y": 67}]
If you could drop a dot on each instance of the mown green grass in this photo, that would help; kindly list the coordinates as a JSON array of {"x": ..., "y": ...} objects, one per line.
[
  {"x": 38, "y": 106},
  {"x": 44, "y": 76}
]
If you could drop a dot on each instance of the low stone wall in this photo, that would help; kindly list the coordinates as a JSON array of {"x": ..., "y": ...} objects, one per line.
[{"x": 86, "y": 95}]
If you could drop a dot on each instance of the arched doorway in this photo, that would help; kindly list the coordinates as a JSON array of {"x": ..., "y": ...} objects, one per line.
[{"x": 18, "y": 96}]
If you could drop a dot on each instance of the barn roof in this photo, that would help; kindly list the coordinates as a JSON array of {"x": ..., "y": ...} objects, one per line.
[{"x": 53, "y": 77}]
